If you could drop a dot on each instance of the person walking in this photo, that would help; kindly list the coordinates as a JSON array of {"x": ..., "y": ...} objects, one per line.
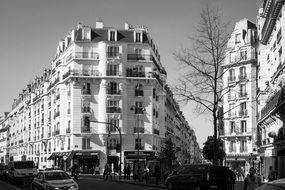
[
  {"x": 157, "y": 173},
  {"x": 128, "y": 172},
  {"x": 146, "y": 174},
  {"x": 272, "y": 174},
  {"x": 106, "y": 171},
  {"x": 252, "y": 181},
  {"x": 97, "y": 170}
]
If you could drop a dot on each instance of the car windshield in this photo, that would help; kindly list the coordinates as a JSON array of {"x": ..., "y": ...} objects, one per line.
[
  {"x": 24, "y": 165},
  {"x": 56, "y": 176}
]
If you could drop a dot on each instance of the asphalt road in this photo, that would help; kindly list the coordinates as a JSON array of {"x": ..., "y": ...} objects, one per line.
[{"x": 90, "y": 184}]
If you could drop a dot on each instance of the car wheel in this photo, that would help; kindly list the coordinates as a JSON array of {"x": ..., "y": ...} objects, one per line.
[{"x": 170, "y": 186}]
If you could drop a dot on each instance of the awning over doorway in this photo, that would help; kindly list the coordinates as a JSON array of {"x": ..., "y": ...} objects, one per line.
[
  {"x": 74, "y": 153},
  {"x": 59, "y": 155}
]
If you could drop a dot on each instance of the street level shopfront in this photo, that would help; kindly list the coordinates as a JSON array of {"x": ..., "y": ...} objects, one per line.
[{"x": 85, "y": 159}]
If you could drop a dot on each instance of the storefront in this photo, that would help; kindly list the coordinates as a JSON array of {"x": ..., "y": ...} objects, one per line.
[
  {"x": 138, "y": 160},
  {"x": 86, "y": 160}
]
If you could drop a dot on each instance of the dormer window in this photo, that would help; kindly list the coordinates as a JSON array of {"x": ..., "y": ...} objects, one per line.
[
  {"x": 86, "y": 34},
  {"x": 112, "y": 35},
  {"x": 138, "y": 36},
  {"x": 237, "y": 38}
]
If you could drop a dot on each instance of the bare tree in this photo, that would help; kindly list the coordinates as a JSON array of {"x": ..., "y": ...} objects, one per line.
[{"x": 202, "y": 81}]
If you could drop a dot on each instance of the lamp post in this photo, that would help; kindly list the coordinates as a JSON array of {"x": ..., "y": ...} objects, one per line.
[{"x": 120, "y": 171}]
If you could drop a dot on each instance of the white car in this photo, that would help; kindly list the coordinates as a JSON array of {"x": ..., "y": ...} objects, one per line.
[{"x": 54, "y": 179}]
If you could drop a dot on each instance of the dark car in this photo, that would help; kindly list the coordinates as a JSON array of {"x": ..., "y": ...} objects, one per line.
[
  {"x": 54, "y": 179},
  {"x": 4, "y": 172},
  {"x": 202, "y": 176},
  {"x": 273, "y": 185}
]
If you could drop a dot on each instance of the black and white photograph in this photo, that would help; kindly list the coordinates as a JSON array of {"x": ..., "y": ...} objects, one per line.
[{"x": 142, "y": 94}]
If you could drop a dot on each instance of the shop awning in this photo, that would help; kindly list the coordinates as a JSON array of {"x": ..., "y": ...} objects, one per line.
[{"x": 59, "y": 154}]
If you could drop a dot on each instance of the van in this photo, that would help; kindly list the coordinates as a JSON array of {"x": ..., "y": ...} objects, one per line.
[{"x": 21, "y": 171}]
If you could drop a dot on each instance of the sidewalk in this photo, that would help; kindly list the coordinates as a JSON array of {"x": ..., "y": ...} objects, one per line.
[{"x": 116, "y": 178}]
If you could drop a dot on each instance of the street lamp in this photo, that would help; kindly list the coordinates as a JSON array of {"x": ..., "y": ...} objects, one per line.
[{"x": 120, "y": 171}]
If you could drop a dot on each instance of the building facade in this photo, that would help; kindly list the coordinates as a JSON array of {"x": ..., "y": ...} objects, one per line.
[
  {"x": 270, "y": 96},
  {"x": 239, "y": 105},
  {"x": 105, "y": 86}
]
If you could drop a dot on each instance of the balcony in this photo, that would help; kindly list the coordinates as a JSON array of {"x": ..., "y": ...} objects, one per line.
[
  {"x": 85, "y": 129},
  {"x": 114, "y": 54},
  {"x": 113, "y": 110},
  {"x": 81, "y": 72},
  {"x": 243, "y": 113},
  {"x": 113, "y": 92},
  {"x": 138, "y": 57},
  {"x": 138, "y": 129},
  {"x": 86, "y": 109},
  {"x": 232, "y": 114},
  {"x": 36, "y": 98},
  {"x": 133, "y": 72},
  {"x": 138, "y": 92},
  {"x": 113, "y": 73},
  {"x": 272, "y": 103},
  {"x": 242, "y": 77},
  {"x": 86, "y": 92},
  {"x": 231, "y": 79},
  {"x": 243, "y": 95},
  {"x": 53, "y": 83},
  {"x": 83, "y": 55}
]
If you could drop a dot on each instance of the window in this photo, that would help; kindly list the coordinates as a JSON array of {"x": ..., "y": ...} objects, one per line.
[
  {"x": 86, "y": 124},
  {"x": 113, "y": 88},
  {"x": 85, "y": 143},
  {"x": 139, "y": 107},
  {"x": 242, "y": 73},
  {"x": 237, "y": 38},
  {"x": 86, "y": 34},
  {"x": 113, "y": 106},
  {"x": 112, "y": 143},
  {"x": 113, "y": 51},
  {"x": 112, "y": 35},
  {"x": 231, "y": 110},
  {"x": 154, "y": 93},
  {"x": 243, "y": 146},
  {"x": 138, "y": 144},
  {"x": 242, "y": 92},
  {"x": 232, "y": 75},
  {"x": 243, "y": 55},
  {"x": 139, "y": 90},
  {"x": 138, "y": 36},
  {"x": 112, "y": 70},
  {"x": 233, "y": 126},
  {"x": 86, "y": 107},
  {"x": 86, "y": 88},
  {"x": 243, "y": 106},
  {"x": 112, "y": 128},
  {"x": 232, "y": 146},
  {"x": 243, "y": 126}
]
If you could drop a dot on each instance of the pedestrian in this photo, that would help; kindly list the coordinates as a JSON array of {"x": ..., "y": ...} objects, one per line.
[
  {"x": 125, "y": 171},
  {"x": 157, "y": 173},
  {"x": 251, "y": 181},
  {"x": 92, "y": 170},
  {"x": 272, "y": 174},
  {"x": 139, "y": 173},
  {"x": 97, "y": 170},
  {"x": 146, "y": 174},
  {"x": 106, "y": 171},
  {"x": 128, "y": 172}
]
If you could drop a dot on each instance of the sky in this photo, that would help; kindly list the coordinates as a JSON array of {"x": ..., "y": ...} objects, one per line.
[{"x": 31, "y": 29}]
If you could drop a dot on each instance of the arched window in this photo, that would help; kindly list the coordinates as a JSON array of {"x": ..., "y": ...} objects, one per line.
[{"x": 139, "y": 90}]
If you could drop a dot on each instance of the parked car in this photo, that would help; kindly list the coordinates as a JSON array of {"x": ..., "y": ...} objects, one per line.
[
  {"x": 4, "y": 172},
  {"x": 54, "y": 179},
  {"x": 278, "y": 184},
  {"x": 21, "y": 171},
  {"x": 202, "y": 176}
]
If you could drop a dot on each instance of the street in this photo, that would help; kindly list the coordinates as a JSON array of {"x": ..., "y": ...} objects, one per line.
[{"x": 89, "y": 182}]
